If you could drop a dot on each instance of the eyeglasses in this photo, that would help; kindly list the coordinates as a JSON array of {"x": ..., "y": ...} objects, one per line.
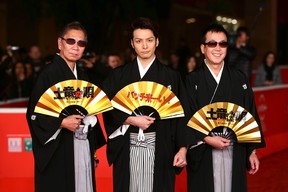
[
  {"x": 213, "y": 44},
  {"x": 71, "y": 41}
]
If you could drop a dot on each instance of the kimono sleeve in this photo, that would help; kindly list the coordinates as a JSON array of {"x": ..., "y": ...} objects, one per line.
[
  {"x": 113, "y": 119},
  {"x": 42, "y": 128},
  {"x": 191, "y": 88},
  {"x": 185, "y": 135}
]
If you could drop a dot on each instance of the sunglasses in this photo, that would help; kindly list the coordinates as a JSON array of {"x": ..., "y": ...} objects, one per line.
[
  {"x": 71, "y": 41},
  {"x": 213, "y": 44}
]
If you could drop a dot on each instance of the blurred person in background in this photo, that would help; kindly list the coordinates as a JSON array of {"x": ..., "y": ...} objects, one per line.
[
  {"x": 30, "y": 74},
  {"x": 35, "y": 58},
  {"x": 183, "y": 52},
  {"x": 114, "y": 60},
  {"x": 128, "y": 55},
  {"x": 174, "y": 61},
  {"x": 161, "y": 57},
  {"x": 191, "y": 64},
  {"x": 268, "y": 73},
  {"x": 4, "y": 76},
  {"x": 8, "y": 59},
  {"x": 18, "y": 86},
  {"x": 241, "y": 54},
  {"x": 95, "y": 67}
]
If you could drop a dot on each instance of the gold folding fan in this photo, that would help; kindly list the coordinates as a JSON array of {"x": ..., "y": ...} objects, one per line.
[
  {"x": 73, "y": 97},
  {"x": 151, "y": 94},
  {"x": 228, "y": 115}
]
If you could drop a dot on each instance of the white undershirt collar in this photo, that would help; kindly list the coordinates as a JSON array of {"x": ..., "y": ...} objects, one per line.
[
  {"x": 143, "y": 71},
  {"x": 75, "y": 71},
  {"x": 218, "y": 77}
]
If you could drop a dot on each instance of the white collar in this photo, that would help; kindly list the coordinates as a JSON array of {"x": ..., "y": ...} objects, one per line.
[
  {"x": 74, "y": 71},
  {"x": 218, "y": 77},
  {"x": 143, "y": 71}
]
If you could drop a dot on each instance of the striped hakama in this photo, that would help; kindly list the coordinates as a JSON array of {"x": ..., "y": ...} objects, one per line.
[{"x": 142, "y": 155}]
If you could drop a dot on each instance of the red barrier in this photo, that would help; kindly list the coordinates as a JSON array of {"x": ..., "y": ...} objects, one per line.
[
  {"x": 16, "y": 162},
  {"x": 284, "y": 74},
  {"x": 14, "y": 103},
  {"x": 272, "y": 107}
]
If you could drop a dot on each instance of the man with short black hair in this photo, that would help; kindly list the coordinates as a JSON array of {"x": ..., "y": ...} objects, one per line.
[
  {"x": 151, "y": 164},
  {"x": 216, "y": 163}
]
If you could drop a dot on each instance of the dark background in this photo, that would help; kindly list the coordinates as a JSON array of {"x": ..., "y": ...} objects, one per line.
[{"x": 28, "y": 22}]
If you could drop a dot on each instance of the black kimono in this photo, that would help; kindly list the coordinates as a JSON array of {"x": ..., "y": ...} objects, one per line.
[
  {"x": 54, "y": 161},
  {"x": 169, "y": 133},
  {"x": 234, "y": 88}
]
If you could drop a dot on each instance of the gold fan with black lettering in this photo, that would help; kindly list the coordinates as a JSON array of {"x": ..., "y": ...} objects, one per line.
[
  {"x": 73, "y": 97},
  {"x": 227, "y": 120},
  {"x": 136, "y": 98}
]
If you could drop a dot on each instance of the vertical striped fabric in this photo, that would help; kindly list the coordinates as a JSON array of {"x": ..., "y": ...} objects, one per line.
[{"x": 142, "y": 155}]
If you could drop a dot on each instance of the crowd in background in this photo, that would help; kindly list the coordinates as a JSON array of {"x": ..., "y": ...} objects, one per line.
[
  {"x": 19, "y": 68},
  {"x": 18, "y": 71}
]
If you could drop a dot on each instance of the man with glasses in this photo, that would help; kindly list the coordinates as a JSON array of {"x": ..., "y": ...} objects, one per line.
[
  {"x": 63, "y": 160},
  {"x": 215, "y": 163}
]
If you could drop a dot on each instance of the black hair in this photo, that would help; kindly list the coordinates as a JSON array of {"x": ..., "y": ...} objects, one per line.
[
  {"x": 266, "y": 55},
  {"x": 73, "y": 25},
  {"x": 114, "y": 53},
  {"x": 14, "y": 67},
  {"x": 213, "y": 27},
  {"x": 144, "y": 23},
  {"x": 241, "y": 30}
]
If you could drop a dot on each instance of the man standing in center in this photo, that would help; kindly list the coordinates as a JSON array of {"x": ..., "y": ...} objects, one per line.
[{"x": 150, "y": 165}]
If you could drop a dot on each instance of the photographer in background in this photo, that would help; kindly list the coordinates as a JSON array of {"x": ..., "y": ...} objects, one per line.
[
  {"x": 35, "y": 58},
  {"x": 96, "y": 69},
  {"x": 241, "y": 54},
  {"x": 8, "y": 58}
]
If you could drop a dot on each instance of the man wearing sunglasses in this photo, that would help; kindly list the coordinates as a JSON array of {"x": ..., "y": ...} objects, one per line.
[
  {"x": 63, "y": 160},
  {"x": 215, "y": 163}
]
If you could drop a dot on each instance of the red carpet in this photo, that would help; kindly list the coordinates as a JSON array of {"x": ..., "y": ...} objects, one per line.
[{"x": 272, "y": 176}]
